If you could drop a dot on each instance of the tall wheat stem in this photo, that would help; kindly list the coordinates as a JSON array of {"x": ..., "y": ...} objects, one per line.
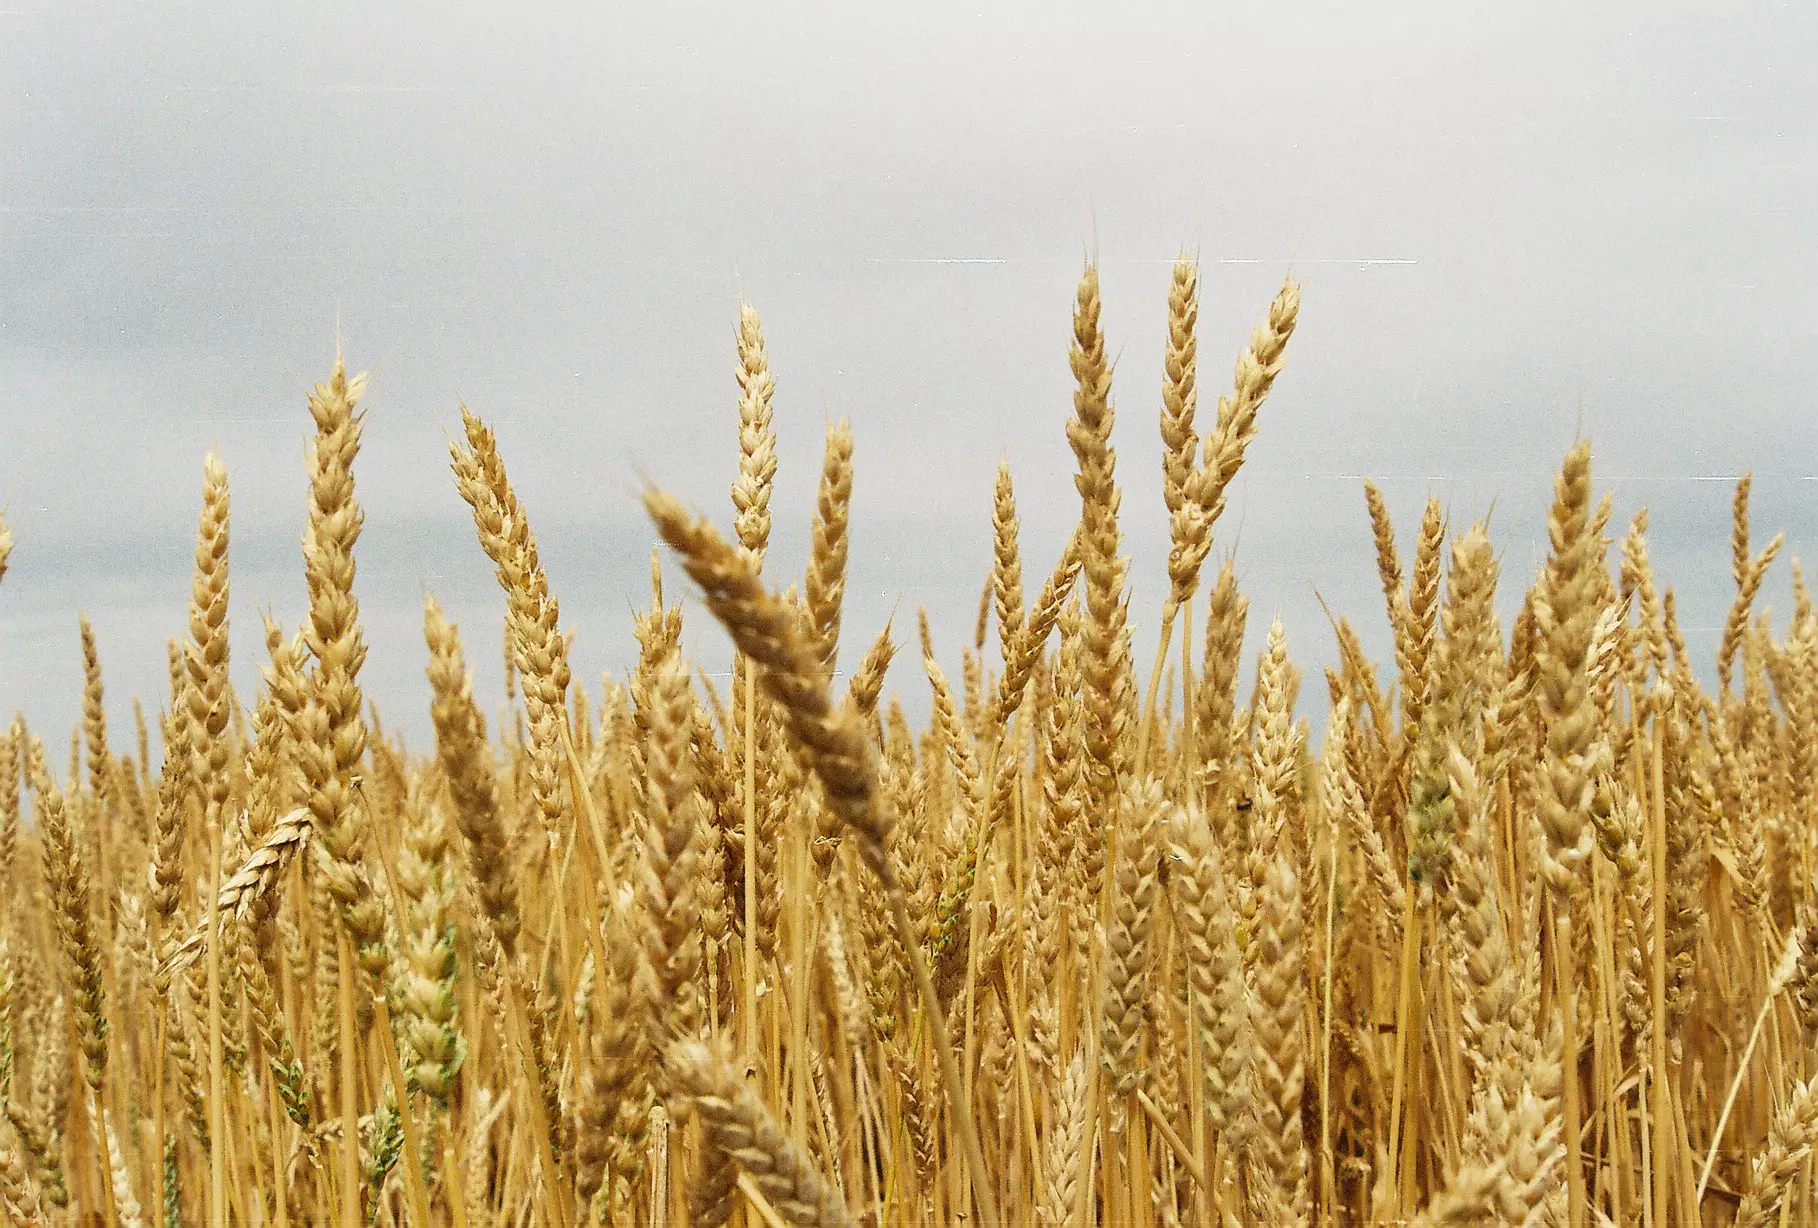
[
  {"x": 1404, "y": 1010},
  {"x": 1189, "y": 738},
  {"x": 1328, "y": 1173},
  {"x": 158, "y": 1085},
  {"x": 1565, "y": 960},
  {"x": 1155, "y": 673},
  {"x": 1662, "y": 1108},
  {"x": 413, "y": 1152},
  {"x": 350, "y": 1093},
  {"x": 451, "y": 1172},
  {"x": 751, "y": 978},
  {"x": 1729, "y": 1100},
  {"x": 280, "y": 1182},
  {"x": 943, "y": 1051},
  {"x": 217, "y": 1090}
]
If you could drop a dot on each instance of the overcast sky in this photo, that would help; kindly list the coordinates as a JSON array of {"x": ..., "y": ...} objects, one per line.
[{"x": 1515, "y": 222}]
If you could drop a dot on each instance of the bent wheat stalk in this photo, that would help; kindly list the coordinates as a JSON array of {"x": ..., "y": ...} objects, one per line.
[
  {"x": 837, "y": 747},
  {"x": 261, "y": 873}
]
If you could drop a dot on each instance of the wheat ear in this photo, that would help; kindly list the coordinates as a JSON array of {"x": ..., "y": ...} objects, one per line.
[
  {"x": 261, "y": 873},
  {"x": 1108, "y": 681},
  {"x": 826, "y": 581},
  {"x": 66, "y": 878},
  {"x": 1278, "y": 1064},
  {"x": 539, "y": 650},
  {"x": 94, "y": 715},
  {"x": 739, "y": 1124},
  {"x": 1789, "y": 1142},
  {"x": 18, "y": 1190}
]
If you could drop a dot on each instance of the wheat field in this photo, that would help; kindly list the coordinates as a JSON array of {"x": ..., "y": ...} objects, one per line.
[{"x": 1522, "y": 940}]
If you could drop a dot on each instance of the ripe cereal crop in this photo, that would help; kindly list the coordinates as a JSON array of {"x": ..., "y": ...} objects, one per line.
[{"x": 1526, "y": 936}]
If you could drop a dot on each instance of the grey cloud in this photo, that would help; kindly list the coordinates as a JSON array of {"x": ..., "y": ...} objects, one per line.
[{"x": 1515, "y": 223}]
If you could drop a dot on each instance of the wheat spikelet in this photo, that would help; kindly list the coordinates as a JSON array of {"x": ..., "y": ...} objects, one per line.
[
  {"x": 608, "y": 1109},
  {"x": 1566, "y": 620},
  {"x": 1637, "y": 578},
  {"x": 1214, "y": 968},
  {"x": 951, "y": 731},
  {"x": 672, "y": 851},
  {"x": 94, "y": 716},
  {"x": 1749, "y": 571},
  {"x": 1344, "y": 804},
  {"x": 1740, "y": 558},
  {"x": 981, "y": 625},
  {"x": 1108, "y": 684},
  {"x": 205, "y": 654},
  {"x": 1278, "y": 1061},
  {"x": 951, "y": 910},
  {"x": 1257, "y": 368},
  {"x": 826, "y": 583},
  {"x": 757, "y": 440},
  {"x": 745, "y": 1130},
  {"x": 263, "y": 764},
  {"x": 266, "y": 1022},
  {"x": 1033, "y": 634},
  {"x": 769, "y": 632},
  {"x": 1789, "y": 1142},
  {"x": 287, "y": 690},
  {"x": 539, "y": 651},
  {"x": 1189, "y": 530},
  {"x": 1463, "y": 664},
  {"x": 465, "y": 761},
  {"x": 433, "y": 1046},
  {"x": 867, "y": 683},
  {"x": 1274, "y": 761},
  {"x": 332, "y": 739},
  {"x": 1690, "y": 805},
  {"x": 39, "y": 1132},
  {"x": 1129, "y": 950},
  {"x": 36, "y": 774},
  {"x": 712, "y": 889},
  {"x": 126, "y": 1203},
  {"x": 1805, "y": 975},
  {"x": 1063, "y": 1146},
  {"x": 66, "y": 878},
  {"x": 1468, "y": 1198},
  {"x": 1389, "y": 572},
  {"x": 849, "y": 1011},
  {"x": 248, "y": 886},
  {"x": 1419, "y": 612},
  {"x": 12, "y": 751},
  {"x": 1006, "y": 565},
  {"x": 1478, "y": 930},
  {"x": 1216, "y": 694},
  {"x": 18, "y": 1191},
  {"x": 1046, "y": 930},
  {"x": 1064, "y": 790}
]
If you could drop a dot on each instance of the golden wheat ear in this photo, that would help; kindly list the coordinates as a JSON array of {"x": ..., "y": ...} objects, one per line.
[
  {"x": 741, "y": 1127},
  {"x": 19, "y": 1190}
]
